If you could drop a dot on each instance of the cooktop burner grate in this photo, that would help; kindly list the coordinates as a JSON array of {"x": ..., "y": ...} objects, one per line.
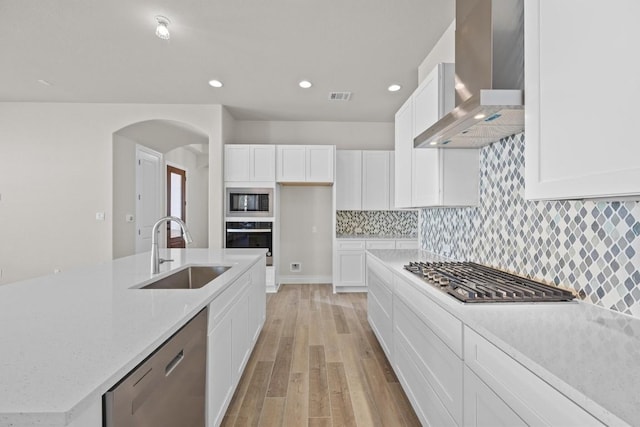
[{"x": 471, "y": 282}]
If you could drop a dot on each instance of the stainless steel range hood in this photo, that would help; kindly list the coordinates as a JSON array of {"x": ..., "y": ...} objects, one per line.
[{"x": 489, "y": 76}]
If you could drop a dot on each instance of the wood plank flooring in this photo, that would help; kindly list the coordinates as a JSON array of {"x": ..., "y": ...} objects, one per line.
[{"x": 318, "y": 363}]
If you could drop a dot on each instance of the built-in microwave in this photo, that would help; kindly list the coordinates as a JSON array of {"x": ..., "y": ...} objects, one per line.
[{"x": 249, "y": 202}]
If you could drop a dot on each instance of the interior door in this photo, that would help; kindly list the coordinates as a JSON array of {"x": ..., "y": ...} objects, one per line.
[
  {"x": 176, "y": 205},
  {"x": 148, "y": 191}
]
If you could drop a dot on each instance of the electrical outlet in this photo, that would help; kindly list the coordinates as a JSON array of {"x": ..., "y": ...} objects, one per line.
[
  {"x": 295, "y": 266},
  {"x": 446, "y": 249},
  {"x": 99, "y": 216}
]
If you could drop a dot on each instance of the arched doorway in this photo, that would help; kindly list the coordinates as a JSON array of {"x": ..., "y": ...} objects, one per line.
[{"x": 141, "y": 153}]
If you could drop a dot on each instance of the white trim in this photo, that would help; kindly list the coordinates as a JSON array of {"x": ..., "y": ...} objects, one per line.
[{"x": 304, "y": 279}]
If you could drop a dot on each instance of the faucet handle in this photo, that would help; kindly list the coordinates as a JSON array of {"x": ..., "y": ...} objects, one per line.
[{"x": 162, "y": 260}]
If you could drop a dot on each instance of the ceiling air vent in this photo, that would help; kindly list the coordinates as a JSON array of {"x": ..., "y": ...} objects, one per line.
[{"x": 339, "y": 96}]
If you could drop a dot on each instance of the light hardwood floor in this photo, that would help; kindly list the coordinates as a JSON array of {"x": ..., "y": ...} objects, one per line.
[{"x": 318, "y": 363}]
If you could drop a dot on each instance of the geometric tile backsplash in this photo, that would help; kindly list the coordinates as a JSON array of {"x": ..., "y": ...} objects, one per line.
[
  {"x": 377, "y": 223},
  {"x": 590, "y": 246}
]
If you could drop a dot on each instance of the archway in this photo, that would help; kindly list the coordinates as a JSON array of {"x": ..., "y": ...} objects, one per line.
[{"x": 175, "y": 143}]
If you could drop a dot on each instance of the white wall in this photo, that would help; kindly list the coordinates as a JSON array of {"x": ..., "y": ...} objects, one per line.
[
  {"x": 301, "y": 209},
  {"x": 344, "y": 135},
  {"x": 56, "y": 173},
  {"x": 197, "y": 194},
  {"x": 124, "y": 196},
  {"x": 443, "y": 51}
]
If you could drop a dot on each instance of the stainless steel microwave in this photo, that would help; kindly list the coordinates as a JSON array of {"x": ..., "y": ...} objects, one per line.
[{"x": 249, "y": 202}]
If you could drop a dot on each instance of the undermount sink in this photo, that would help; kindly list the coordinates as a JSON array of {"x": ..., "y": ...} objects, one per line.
[{"x": 193, "y": 277}]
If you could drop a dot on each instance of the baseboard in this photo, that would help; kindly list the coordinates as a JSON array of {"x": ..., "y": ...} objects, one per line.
[
  {"x": 273, "y": 289},
  {"x": 350, "y": 289},
  {"x": 283, "y": 280}
]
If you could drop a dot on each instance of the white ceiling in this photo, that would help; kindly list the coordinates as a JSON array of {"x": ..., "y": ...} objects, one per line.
[{"x": 106, "y": 51}]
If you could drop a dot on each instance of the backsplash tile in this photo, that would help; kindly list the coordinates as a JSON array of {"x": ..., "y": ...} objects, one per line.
[
  {"x": 590, "y": 246},
  {"x": 377, "y": 223}
]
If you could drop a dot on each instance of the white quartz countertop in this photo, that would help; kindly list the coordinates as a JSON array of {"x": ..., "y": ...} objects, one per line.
[
  {"x": 67, "y": 338},
  {"x": 588, "y": 353},
  {"x": 377, "y": 236}
]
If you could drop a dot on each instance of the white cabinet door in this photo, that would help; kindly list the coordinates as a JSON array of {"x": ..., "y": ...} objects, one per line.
[
  {"x": 483, "y": 408},
  {"x": 426, "y": 177},
  {"x": 581, "y": 113},
  {"x": 290, "y": 163},
  {"x": 263, "y": 163},
  {"x": 350, "y": 268},
  {"x": 237, "y": 163},
  {"x": 305, "y": 163},
  {"x": 319, "y": 163},
  {"x": 407, "y": 244},
  {"x": 249, "y": 163},
  {"x": 375, "y": 180},
  {"x": 404, "y": 155},
  {"x": 219, "y": 370},
  {"x": 348, "y": 180},
  {"x": 434, "y": 98}
]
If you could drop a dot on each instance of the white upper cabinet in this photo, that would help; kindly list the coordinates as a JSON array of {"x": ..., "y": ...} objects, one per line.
[
  {"x": 404, "y": 155},
  {"x": 249, "y": 163},
  {"x": 434, "y": 98},
  {"x": 364, "y": 180},
  {"x": 305, "y": 163},
  {"x": 376, "y": 188},
  {"x": 580, "y": 128},
  {"x": 432, "y": 176},
  {"x": 348, "y": 180}
]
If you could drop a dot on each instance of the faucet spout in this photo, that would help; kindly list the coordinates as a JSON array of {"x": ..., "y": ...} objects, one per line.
[{"x": 155, "y": 255}]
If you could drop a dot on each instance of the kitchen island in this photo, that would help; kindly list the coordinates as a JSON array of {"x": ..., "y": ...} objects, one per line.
[
  {"x": 558, "y": 363},
  {"x": 68, "y": 338}
]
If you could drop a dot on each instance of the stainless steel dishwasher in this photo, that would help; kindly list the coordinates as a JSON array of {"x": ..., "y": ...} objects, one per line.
[{"x": 168, "y": 388}]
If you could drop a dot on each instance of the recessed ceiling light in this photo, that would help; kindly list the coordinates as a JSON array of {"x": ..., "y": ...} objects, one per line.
[
  {"x": 305, "y": 84},
  {"x": 394, "y": 88},
  {"x": 162, "y": 30},
  {"x": 215, "y": 83},
  {"x": 479, "y": 116},
  {"x": 45, "y": 82}
]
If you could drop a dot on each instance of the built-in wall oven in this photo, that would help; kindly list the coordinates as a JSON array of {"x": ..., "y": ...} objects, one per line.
[
  {"x": 250, "y": 234},
  {"x": 249, "y": 202}
]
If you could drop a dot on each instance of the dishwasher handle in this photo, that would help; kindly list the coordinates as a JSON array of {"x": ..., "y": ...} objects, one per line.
[{"x": 174, "y": 363}]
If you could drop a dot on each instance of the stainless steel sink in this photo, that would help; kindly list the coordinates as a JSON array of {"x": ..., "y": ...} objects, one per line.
[{"x": 193, "y": 277}]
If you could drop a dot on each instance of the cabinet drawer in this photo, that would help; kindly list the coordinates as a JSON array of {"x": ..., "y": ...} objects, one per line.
[
  {"x": 535, "y": 401},
  {"x": 381, "y": 244},
  {"x": 223, "y": 302},
  {"x": 381, "y": 323},
  {"x": 437, "y": 362},
  {"x": 423, "y": 397},
  {"x": 381, "y": 293},
  {"x": 444, "y": 324},
  {"x": 377, "y": 268},
  {"x": 350, "y": 245},
  {"x": 407, "y": 244}
]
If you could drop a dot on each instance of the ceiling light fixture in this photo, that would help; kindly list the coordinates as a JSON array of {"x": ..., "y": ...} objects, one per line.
[
  {"x": 45, "y": 82},
  {"x": 479, "y": 116},
  {"x": 215, "y": 83},
  {"x": 305, "y": 84},
  {"x": 394, "y": 88},
  {"x": 162, "y": 30}
]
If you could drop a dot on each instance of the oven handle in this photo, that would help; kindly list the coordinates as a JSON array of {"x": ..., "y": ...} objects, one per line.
[{"x": 242, "y": 230}]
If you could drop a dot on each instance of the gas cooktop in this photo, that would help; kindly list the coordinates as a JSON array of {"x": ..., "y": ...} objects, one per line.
[{"x": 470, "y": 283}]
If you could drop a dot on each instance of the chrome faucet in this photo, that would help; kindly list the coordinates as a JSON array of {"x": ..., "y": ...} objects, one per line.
[{"x": 155, "y": 256}]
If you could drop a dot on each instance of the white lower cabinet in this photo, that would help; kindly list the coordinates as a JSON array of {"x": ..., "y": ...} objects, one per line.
[
  {"x": 349, "y": 261},
  {"x": 428, "y": 350},
  {"x": 452, "y": 375},
  {"x": 526, "y": 394},
  {"x": 236, "y": 318},
  {"x": 380, "y": 304},
  {"x": 483, "y": 408}
]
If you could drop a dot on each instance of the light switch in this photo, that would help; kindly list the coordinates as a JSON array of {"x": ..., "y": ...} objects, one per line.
[{"x": 99, "y": 216}]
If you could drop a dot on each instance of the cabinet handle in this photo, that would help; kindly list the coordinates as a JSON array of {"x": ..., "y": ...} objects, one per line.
[{"x": 174, "y": 363}]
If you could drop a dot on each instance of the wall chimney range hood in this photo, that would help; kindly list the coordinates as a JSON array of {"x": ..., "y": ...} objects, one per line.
[{"x": 489, "y": 81}]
